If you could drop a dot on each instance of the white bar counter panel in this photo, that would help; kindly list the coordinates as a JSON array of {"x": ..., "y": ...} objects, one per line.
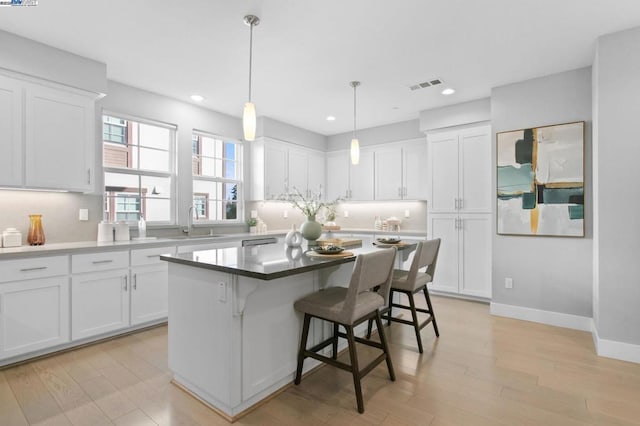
[{"x": 233, "y": 337}]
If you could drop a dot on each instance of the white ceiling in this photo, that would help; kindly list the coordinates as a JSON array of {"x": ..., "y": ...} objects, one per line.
[{"x": 307, "y": 52}]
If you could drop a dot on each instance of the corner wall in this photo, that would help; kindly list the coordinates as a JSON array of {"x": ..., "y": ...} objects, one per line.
[
  {"x": 552, "y": 277},
  {"x": 617, "y": 149}
]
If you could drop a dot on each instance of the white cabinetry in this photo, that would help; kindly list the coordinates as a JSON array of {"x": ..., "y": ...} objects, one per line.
[
  {"x": 10, "y": 132},
  {"x": 459, "y": 209},
  {"x": 400, "y": 172},
  {"x": 34, "y": 304},
  {"x": 149, "y": 284},
  {"x": 57, "y": 127},
  {"x": 100, "y": 293},
  {"x": 351, "y": 182},
  {"x": 277, "y": 167},
  {"x": 59, "y": 131}
]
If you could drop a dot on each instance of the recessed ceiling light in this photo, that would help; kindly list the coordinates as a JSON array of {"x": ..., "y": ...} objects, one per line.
[
  {"x": 331, "y": 118},
  {"x": 395, "y": 107},
  {"x": 448, "y": 91},
  {"x": 197, "y": 98}
]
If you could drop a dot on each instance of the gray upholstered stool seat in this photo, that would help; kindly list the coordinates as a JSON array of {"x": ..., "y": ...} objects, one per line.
[
  {"x": 411, "y": 282},
  {"x": 368, "y": 291}
]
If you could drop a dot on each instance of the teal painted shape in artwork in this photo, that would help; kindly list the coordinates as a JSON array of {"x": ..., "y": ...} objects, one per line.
[
  {"x": 576, "y": 212},
  {"x": 563, "y": 195},
  {"x": 513, "y": 180},
  {"x": 529, "y": 200}
]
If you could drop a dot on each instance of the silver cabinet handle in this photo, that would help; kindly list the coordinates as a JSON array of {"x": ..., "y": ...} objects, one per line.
[
  {"x": 98, "y": 262},
  {"x": 153, "y": 255},
  {"x": 455, "y": 200},
  {"x": 89, "y": 176},
  {"x": 135, "y": 281},
  {"x": 125, "y": 283},
  {"x": 39, "y": 268},
  {"x": 461, "y": 203}
]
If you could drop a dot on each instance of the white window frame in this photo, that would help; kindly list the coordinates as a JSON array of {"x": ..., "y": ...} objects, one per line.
[
  {"x": 239, "y": 181},
  {"x": 171, "y": 173}
]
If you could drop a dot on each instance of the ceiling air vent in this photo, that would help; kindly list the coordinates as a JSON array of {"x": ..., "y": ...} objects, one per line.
[{"x": 426, "y": 84}]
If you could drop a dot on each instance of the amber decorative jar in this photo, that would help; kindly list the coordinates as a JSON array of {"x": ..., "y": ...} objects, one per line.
[{"x": 36, "y": 233}]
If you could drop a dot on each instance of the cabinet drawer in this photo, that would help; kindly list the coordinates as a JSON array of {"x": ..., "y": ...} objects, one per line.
[
  {"x": 150, "y": 256},
  {"x": 37, "y": 267},
  {"x": 93, "y": 262}
]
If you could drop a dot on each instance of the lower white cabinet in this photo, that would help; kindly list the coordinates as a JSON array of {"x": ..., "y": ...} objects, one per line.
[
  {"x": 34, "y": 315},
  {"x": 100, "y": 302},
  {"x": 149, "y": 285},
  {"x": 464, "y": 259}
]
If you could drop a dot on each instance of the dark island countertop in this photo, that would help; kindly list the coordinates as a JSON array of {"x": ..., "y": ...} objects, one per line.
[{"x": 271, "y": 261}]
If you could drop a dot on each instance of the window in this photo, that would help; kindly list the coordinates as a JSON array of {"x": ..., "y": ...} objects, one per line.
[
  {"x": 138, "y": 170},
  {"x": 217, "y": 177}
]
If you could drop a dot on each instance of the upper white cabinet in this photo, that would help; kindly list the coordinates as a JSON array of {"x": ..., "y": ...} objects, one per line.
[
  {"x": 349, "y": 181},
  {"x": 277, "y": 168},
  {"x": 10, "y": 132},
  {"x": 59, "y": 131},
  {"x": 46, "y": 127},
  {"x": 400, "y": 171},
  {"x": 460, "y": 171}
]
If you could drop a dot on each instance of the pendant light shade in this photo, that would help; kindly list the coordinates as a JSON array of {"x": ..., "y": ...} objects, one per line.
[
  {"x": 355, "y": 145},
  {"x": 249, "y": 121},
  {"x": 355, "y": 151},
  {"x": 249, "y": 113}
]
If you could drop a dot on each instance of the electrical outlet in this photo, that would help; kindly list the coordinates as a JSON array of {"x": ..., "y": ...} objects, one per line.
[
  {"x": 254, "y": 214},
  {"x": 407, "y": 214},
  {"x": 83, "y": 214},
  {"x": 346, "y": 213},
  {"x": 222, "y": 291},
  {"x": 285, "y": 214},
  {"x": 508, "y": 283}
]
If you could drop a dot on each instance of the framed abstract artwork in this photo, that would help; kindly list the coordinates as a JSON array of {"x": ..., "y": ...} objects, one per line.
[{"x": 540, "y": 181}]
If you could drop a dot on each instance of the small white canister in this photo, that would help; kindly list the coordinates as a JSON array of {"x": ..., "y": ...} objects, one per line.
[
  {"x": 11, "y": 237},
  {"x": 105, "y": 231},
  {"x": 122, "y": 231}
]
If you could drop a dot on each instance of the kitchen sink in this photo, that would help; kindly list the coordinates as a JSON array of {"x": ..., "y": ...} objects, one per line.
[{"x": 195, "y": 237}]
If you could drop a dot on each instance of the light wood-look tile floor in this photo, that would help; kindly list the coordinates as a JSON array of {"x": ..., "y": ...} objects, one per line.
[{"x": 483, "y": 370}]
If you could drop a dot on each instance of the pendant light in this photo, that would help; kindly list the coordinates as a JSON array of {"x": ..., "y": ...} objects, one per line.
[
  {"x": 249, "y": 114},
  {"x": 355, "y": 145}
]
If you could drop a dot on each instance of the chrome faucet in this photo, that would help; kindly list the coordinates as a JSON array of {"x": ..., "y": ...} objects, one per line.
[{"x": 189, "y": 227}]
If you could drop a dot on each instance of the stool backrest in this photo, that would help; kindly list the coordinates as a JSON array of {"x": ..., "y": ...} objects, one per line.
[
  {"x": 426, "y": 256},
  {"x": 371, "y": 270}
]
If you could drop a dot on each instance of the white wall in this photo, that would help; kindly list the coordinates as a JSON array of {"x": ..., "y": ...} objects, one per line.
[
  {"x": 549, "y": 273},
  {"x": 465, "y": 113},
  {"x": 617, "y": 150},
  {"x": 395, "y": 132},
  {"x": 29, "y": 57}
]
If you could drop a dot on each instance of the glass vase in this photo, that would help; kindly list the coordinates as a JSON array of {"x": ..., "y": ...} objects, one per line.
[{"x": 36, "y": 232}]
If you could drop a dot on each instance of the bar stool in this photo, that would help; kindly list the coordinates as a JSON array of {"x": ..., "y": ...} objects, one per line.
[
  {"x": 349, "y": 307},
  {"x": 411, "y": 282}
]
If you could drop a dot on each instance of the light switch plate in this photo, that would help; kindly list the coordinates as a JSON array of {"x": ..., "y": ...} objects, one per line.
[{"x": 83, "y": 214}]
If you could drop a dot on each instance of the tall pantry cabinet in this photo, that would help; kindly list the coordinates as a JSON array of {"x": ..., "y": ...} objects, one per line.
[{"x": 459, "y": 209}]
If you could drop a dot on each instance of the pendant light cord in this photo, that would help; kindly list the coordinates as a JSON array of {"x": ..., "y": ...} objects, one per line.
[
  {"x": 250, "y": 56},
  {"x": 354, "y": 111}
]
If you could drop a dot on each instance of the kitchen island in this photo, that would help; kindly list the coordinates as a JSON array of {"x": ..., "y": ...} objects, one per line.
[{"x": 233, "y": 332}]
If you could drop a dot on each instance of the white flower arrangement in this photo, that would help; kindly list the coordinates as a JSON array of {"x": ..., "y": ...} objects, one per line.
[{"x": 310, "y": 205}]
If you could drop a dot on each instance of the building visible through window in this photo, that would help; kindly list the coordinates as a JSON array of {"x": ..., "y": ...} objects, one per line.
[{"x": 138, "y": 160}]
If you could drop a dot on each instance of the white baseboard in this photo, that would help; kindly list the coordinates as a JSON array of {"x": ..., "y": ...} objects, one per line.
[
  {"x": 613, "y": 349},
  {"x": 557, "y": 319}
]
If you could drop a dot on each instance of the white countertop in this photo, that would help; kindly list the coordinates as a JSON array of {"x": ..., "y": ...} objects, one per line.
[{"x": 83, "y": 246}]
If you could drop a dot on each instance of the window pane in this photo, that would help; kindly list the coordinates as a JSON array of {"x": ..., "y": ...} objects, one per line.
[
  {"x": 151, "y": 159},
  {"x": 116, "y": 181},
  {"x": 154, "y": 136},
  {"x": 158, "y": 209},
  {"x": 207, "y": 166}
]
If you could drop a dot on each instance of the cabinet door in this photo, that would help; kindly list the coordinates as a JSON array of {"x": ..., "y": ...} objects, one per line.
[
  {"x": 275, "y": 170},
  {"x": 316, "y": 175},
  {"x": 149, "y": 293},
  {"x": 475, "y": 255},
  {"x": 361, "y": 177},
  {"x": 337, "y": 175},
  {"x": 414, "y": 171},
  {"x": 443, "y": 172},
  {"x": 445, "y": 227},
  {"x": 10, "y": 132},
  {"x": 99, "y": 303},
  {"x": 388, "y": 173},
  {"x": 298, "y": 170},
  {"x": 475, "y": 170},
  {"x": 34, "y": 315},
  {"x": 59, "y": 131}
]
